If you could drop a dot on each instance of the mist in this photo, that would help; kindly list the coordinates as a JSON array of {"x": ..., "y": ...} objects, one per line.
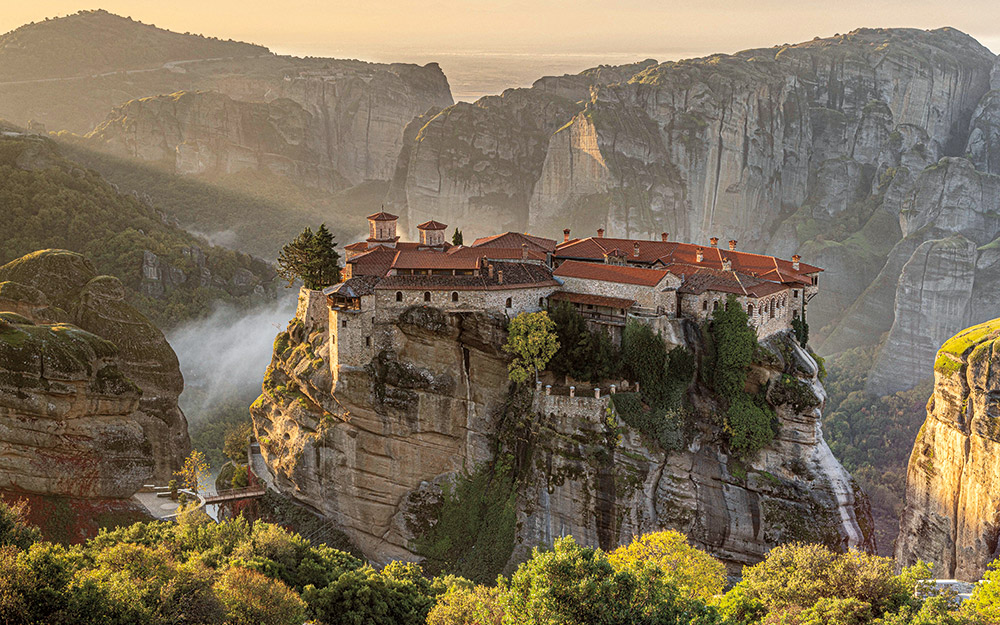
[{"x": 223, "y": 356}]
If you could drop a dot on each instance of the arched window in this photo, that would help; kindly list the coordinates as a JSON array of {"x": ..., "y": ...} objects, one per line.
[
  {"x": 427, "y": 296},
  {"x": 399, "y": 296},
  {"x": 508, "y": 303},
  {"x": 454, "y": 296},
  {"x": 749, "y": 310},
  {"x": 715, "y": 305},
  {"x": 704, "y": 305},
  {"x": 541, "y": 302},
  {"x": 772, "y": 309}
]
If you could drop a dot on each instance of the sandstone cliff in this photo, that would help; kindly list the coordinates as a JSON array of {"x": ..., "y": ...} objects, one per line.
[
  {"x": 60, "y": 287},
  {"x": 431, "y": 419},
  {"x": 829, "y": 148},
  {"x": 327, "y": 128},
  {"x": 952, "y": 485}
]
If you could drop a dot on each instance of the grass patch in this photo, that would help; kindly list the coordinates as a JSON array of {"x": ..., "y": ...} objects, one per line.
[{"x": 949, "y": 357}]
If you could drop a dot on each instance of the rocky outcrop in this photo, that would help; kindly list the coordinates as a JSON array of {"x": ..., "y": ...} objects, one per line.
[
  {"x": 68, "y": 416},
  {"x": 328, "y": 130},
  {"x": 61, "y": 287},
  {"x": 818, "y": 148},
  {"x": 479, "y": 163},
  {"x": 951, "y": 514},
  {"x": 380, "y": 454}
]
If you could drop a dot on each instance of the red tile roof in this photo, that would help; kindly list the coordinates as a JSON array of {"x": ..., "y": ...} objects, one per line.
[
  {"x": 383, "y": 216},
  {"x": 515, "y": 275},
  {"x": 514, "y": 240},
  {"x": 704, "y": 279},
  {"x": 673, "y": 252},
  {"x": 596, "y": 300},
  {"x": 497, "y": 253},
  {"x": 610, "y": 273},
  {"x": 374, "y": 262},
  {"x": 430, "y": 259},
  {"x": 432, "y": 225}
]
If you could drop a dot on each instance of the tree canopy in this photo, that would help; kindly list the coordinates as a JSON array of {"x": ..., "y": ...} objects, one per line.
[
  {"x": 532, "y": 341},
  {"x": 312, "y": 257}
]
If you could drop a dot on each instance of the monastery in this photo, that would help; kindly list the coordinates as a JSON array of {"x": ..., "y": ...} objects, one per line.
[{"x": 608, "y": 280}]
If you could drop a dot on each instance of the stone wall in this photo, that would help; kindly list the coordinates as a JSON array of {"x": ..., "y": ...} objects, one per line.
[
  {"x": 312, "y": 310},
  {"x": 352, "y": 340},
  {"x": 700, "y": 308},
  {"x": 663, "y": 295},
  {"x": 530, "y": 299}
]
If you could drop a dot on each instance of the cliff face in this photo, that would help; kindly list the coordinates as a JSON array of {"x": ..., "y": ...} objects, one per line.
[
  {"x": 384, "y": 453},
  {"x": 952, "y": 484},
  {"x": 820, "y": 148},
  {"x": 328, "y": 129},
  {"x": 60, "y": 287}
]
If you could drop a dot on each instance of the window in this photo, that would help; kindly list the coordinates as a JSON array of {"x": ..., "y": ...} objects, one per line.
[
  {"x": 795, "y": 293},
  {"x": 541, "y": 302},
  {"x": 715, "y": 305},
  {"x": 399, "y": 296},
  {"x": 508, "y": 303},
  {"x": 704, "y": 305},
  {"x": 368, "y": 341},
  {"x": 750, "y": 310},
  {"x": 454, "y": 296},
  {"x": 427, "y": 296},
  {"x": 343, "y": 323},
  {"x": 772, "y": 309}
]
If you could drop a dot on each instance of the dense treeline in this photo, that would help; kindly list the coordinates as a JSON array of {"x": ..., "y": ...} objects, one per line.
[
  {"x": 54, "y": 203},
  {"x": 240, "y": 573},
  {"x": 873, "y": 436}
]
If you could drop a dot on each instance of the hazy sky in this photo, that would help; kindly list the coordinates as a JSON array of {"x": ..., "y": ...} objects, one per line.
[{"x": 403, "y": 30}]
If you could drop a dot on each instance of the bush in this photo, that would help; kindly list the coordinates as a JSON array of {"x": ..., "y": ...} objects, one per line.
[
  {"x": 253, "y": 599},
  {"x": 797, "y": 576},
  {"x": 749, "y": 424},
  {"x": 574, "y": 585},
  {"x": 696, "y": 574}
]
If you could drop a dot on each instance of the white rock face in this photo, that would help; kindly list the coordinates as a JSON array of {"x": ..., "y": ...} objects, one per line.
[
  {"x": 953, "y": 478},
  {"x": 818, "y": 148},
  {"x": 433, "y": 407}
]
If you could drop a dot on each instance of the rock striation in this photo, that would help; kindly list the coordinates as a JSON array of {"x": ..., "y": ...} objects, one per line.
[
  {"x": 68, "y": 416},
  {"x": 952, "y": 506},
  {"x": 329, "y": 129},
  {"x": 829, "y": 148},
  {"x": 61, "y": 288},
  {"x": 379, "y": 454}
]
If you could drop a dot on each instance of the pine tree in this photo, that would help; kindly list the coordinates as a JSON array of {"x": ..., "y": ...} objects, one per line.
[
  {"x": 312, "y": 258},
  {"x": 456, "y": 239}
]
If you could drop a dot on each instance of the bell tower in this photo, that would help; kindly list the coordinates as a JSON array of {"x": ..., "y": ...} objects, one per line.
[{"x": 382, "y": 230}]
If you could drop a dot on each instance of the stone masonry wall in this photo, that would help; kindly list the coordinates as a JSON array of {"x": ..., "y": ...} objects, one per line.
[{"x": 647, "y": 297}]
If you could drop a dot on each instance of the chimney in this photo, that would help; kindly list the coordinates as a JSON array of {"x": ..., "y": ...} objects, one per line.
[
  {"x": 727, "y": 265},
  {"x": 635, "y": 249},
  {"x": 732, "y": 245},
  {"x": 490, "y": 269},
  {"x": 600, "y": 233},
  {"x": 565, "y": 235},
  {"x": 714, "y": 241},
  {"x": 664, "y": 236},
  {"x": 499, "y": 276},
  {"x": 699, "y": 255},
  {"x": 795, "y": 262},
  {"x": 524, "y": 251}
]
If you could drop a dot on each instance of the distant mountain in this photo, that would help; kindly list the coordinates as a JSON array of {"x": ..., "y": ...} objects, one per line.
[
  {"x": 50, "y": 201},
  {"x": 91, "y": 42}
]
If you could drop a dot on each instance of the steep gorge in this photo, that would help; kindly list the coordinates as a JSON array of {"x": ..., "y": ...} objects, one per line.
[{"x": 429, "y": 429}]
